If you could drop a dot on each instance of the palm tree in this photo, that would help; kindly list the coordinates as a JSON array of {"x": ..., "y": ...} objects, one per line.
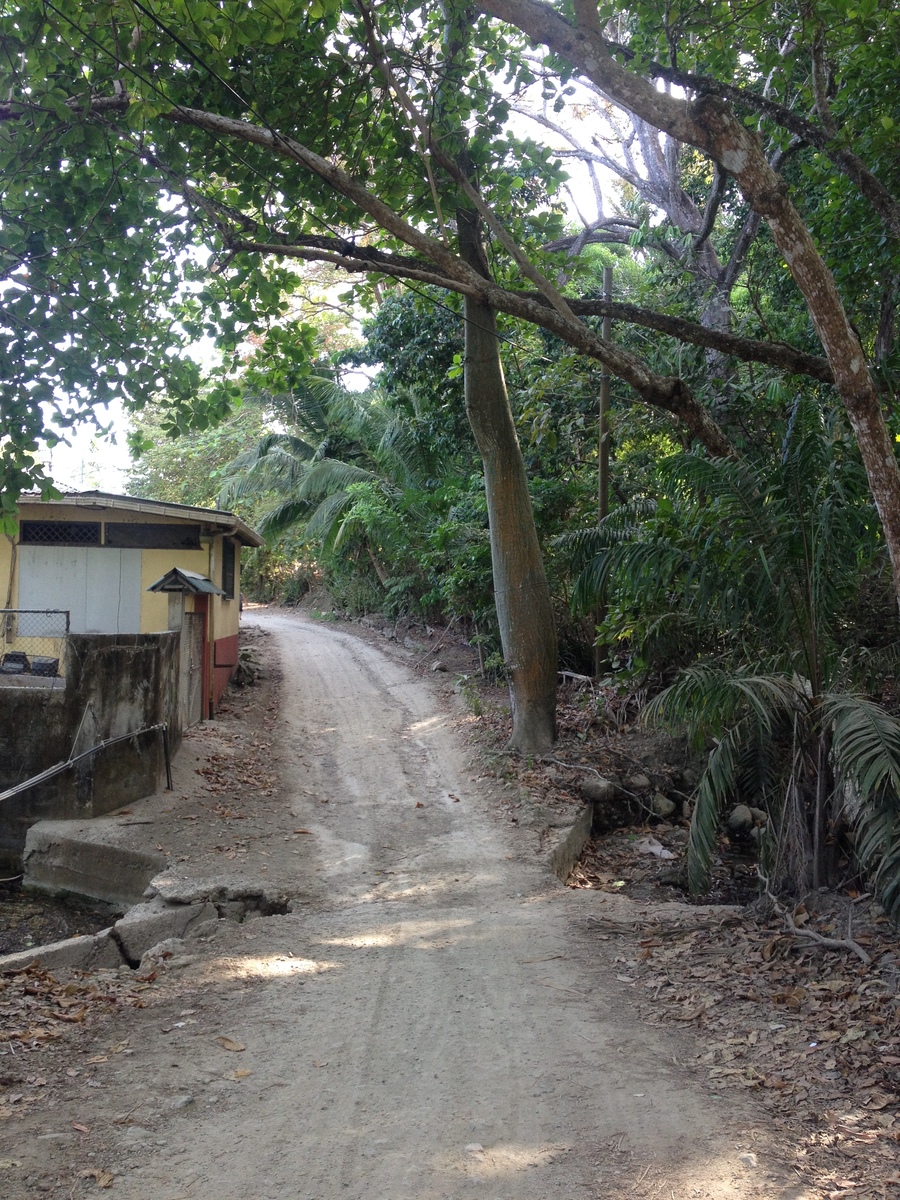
[
  {"x": 762, "y": 569},
  {"x": 350, "y": 474}
]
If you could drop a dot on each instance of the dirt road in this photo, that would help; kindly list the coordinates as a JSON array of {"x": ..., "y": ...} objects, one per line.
[{"x": 429, "y": 1022}]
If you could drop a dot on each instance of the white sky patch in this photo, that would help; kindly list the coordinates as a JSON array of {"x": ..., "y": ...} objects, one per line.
[{"x": 92, "y": 461}]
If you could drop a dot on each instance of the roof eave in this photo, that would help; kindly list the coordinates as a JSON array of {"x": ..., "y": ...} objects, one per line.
[{"x": 226, "y": 523}]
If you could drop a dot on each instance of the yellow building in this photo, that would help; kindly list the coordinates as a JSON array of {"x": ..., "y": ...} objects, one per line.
[{"x": 94, "y": 563}]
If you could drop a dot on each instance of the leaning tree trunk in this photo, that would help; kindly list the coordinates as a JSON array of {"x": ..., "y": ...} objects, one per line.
[
  {"x": 521, "y": 592},
  {"x": 712, "y": 127}
]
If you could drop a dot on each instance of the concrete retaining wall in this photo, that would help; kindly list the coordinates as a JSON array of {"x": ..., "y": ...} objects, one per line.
[
  {"x": 113, "y": 684},
  {"x": 88, "y": 858}
]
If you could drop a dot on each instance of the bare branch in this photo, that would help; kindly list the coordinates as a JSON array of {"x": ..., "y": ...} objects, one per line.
[
  {"x": 775, "y": 354},
  {"x": 820, "y": 85},
  {"x": 353, "y": 259},
  {"x": 844, "y": 159},
  {"x": 713, "y": 203},
  {"x": 802, "y": 931}
]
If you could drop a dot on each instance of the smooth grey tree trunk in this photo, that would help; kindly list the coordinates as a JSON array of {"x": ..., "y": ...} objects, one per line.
[{"x": 521, "y": 592}]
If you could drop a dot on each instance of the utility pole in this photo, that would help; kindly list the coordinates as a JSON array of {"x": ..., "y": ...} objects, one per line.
[{"x": 601, "y": 652}]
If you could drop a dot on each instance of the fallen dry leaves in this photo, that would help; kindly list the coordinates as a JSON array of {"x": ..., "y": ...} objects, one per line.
[
  {"x": 228, "y": 1043},
  {"x": 103, "y": 1179},
  {"x": 35, "y": 1006},
  {"x": 813, "y": 1031},
  {"x": 222, "y": 774}
]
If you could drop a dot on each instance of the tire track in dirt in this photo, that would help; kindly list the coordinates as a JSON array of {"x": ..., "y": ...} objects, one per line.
[{"x": 428, "y": 1023}]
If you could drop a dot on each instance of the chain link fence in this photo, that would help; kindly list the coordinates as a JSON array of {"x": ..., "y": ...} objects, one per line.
[{"x": 32, "y": 643}]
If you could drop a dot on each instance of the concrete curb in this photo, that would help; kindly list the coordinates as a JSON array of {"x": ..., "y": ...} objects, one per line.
[
  {"x": 567, "y": 851},
  {"x": 123, "y": 944},
  {"x": 145, "y": 925},
  {"x": 86, "y": 858},
  {"x": 90, "y": 952}
]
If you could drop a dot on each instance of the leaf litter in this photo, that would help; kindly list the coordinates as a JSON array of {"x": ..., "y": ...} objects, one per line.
[
  {"x": 36, "y": 1006},
  {"x": 809, "y": 1029},
  {"x": 812, "y": 1031}
]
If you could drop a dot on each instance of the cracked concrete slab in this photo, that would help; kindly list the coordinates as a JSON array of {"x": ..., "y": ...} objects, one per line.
[
  {"x": 147, "y": 924},
  {"x": 91, "y": 951},
  {"x": 88, "y": 858},
  {"x": 220, "y": 890}
]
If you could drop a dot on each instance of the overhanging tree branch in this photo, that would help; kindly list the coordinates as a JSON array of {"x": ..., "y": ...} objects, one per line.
[
  {"x": 821, "y": 138},
  {"x": 357, "y": 259},
  {"x": 773, "y": 354},
  {"x": 708, "y": 124},
  {"x": 664, "y": 392}
]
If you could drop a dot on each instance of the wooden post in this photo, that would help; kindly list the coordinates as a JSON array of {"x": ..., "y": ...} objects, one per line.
[{"x": 603, "y": 423}]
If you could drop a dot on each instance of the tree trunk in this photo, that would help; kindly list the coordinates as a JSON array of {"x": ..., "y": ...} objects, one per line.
[
  {"x": 521, "y": 592},
  {"x": 717, "y": 316},
  {"x": 709, "y": 124}
]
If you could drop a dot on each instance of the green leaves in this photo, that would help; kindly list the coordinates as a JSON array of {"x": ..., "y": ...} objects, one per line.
[
  {"x": 866, "y": 743},
  {"x": 762, "y": 567},
  {"x": 131, "y": 261}
]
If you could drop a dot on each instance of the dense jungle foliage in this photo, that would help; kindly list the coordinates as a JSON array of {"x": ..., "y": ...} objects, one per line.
[{"x": 170, "y": 173}]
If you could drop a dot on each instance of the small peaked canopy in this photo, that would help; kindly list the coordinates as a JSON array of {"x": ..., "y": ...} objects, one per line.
[{"x": 178, "y": 580}]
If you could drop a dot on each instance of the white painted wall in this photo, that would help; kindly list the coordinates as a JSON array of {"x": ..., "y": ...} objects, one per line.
[{"x": 100, "y": 587}]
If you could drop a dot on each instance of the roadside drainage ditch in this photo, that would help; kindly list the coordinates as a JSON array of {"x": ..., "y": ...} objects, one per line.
[
  {"x": 145, "y": 926},
  {"x": 29, "y": 919},
  {"x": 110, "y": 904}
]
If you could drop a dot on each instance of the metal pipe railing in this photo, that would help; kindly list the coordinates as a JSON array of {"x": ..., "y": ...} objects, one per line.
[{"x": 52, "y": 772}]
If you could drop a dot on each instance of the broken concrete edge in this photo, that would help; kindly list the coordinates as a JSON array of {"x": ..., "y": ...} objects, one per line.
[
  {"x": 146, "y": 925},
  {"x": 170, "y": 906},
  {"x": 621, "y": 912},
  {"x": 141, "y": 929},
  {"x": 567, "y": 850},
  {"x": 90, "y": 951},
  {"x": 256, "y": 897},
  {"x": 122, "y": 944},
  {"x": 85, "y": 858}
]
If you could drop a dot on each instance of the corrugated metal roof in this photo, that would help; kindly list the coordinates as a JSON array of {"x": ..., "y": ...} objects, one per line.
[
  {"x": 178, "y": 580},
  {"x": 226, "y": 522}
]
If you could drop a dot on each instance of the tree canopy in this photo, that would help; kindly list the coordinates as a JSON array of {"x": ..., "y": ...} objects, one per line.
[
  {"x": 164, "y": 162},
  {"x": 167, "y": 164}
]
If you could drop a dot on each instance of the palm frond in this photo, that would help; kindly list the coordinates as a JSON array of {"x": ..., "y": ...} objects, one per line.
[
  {"x": 331, "y": 475},
  {"x": 282, "y": 517},
  {"x": 642, "y": 569},
  {"x": 866, "y": 754},
  {"x": 311, "y": 403},
  {"x": 865, "y": 741},
  {"x": 878, "y": 849},
  {"x": 715, "y": 788},
  {"x": 623, "y": 524},
  {"x": 708, "y": 698},
  {"x": 760, "y": 768},
  {"x": 322, "y": 525},
  {"x": 275, "y": 464}
]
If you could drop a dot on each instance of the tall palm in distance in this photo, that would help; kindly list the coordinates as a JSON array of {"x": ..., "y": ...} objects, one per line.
[{"x": 349, "y": 473}]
